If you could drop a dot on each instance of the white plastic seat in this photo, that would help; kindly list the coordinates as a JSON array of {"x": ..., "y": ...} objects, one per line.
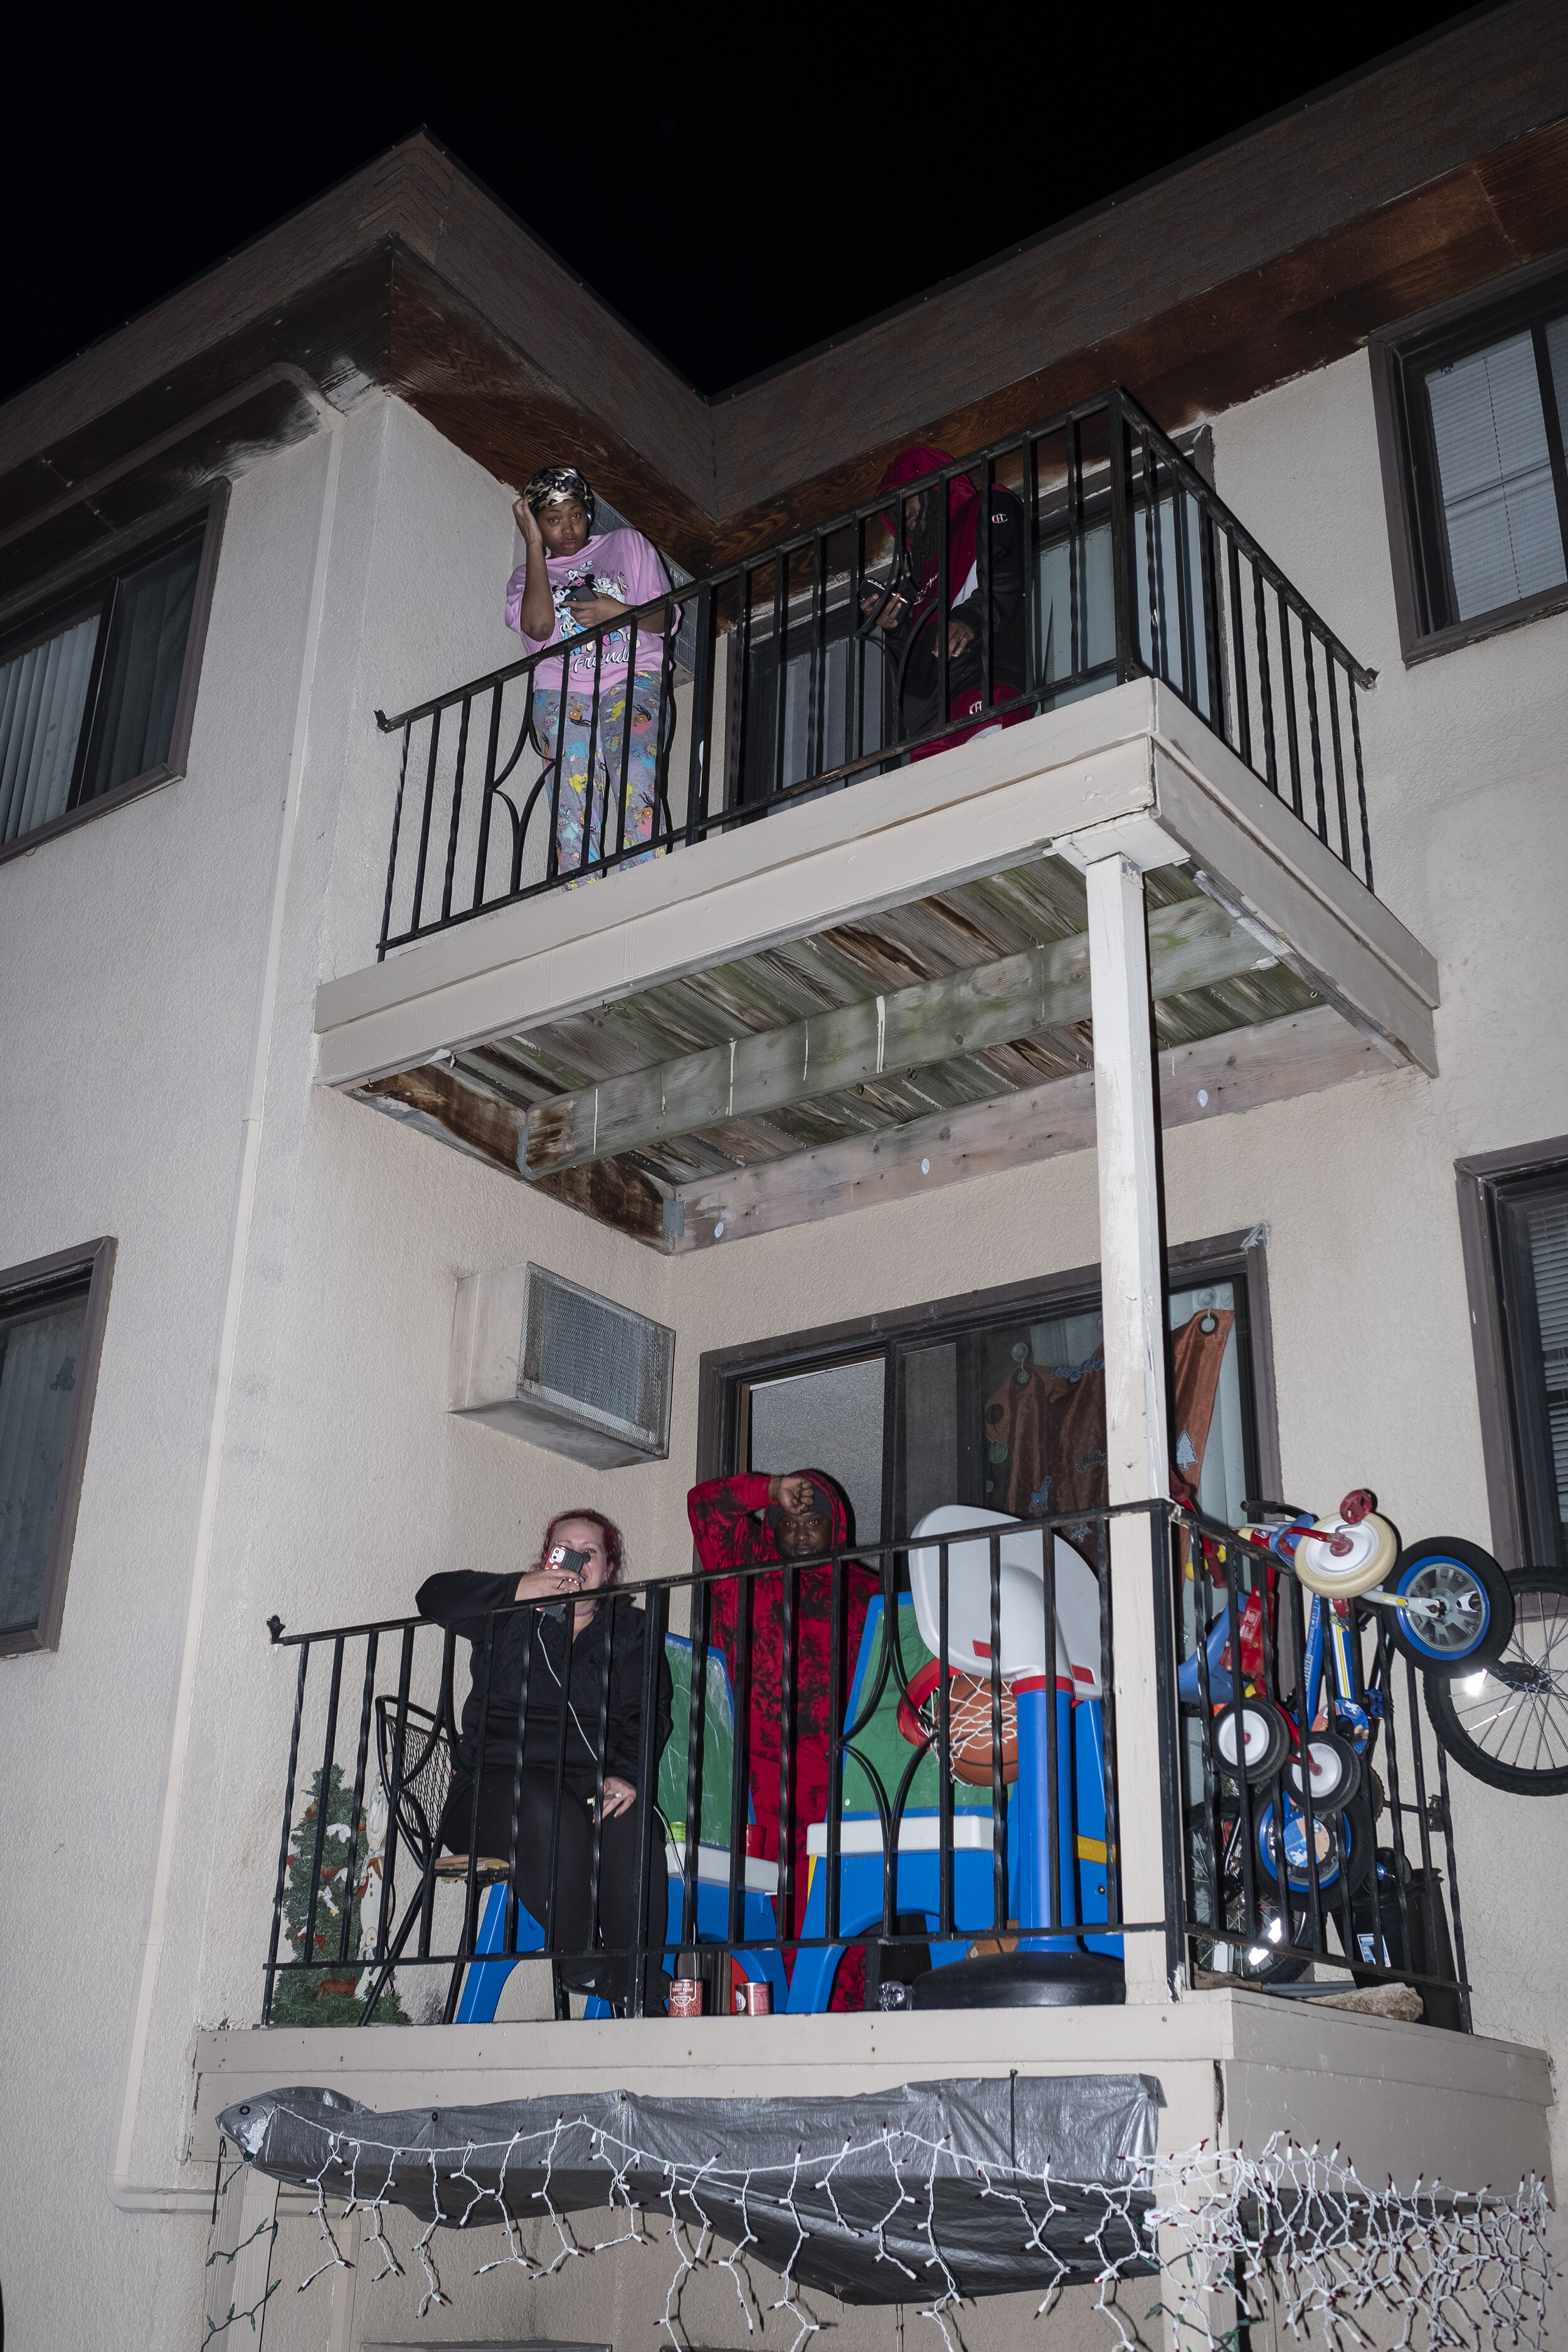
[
  {"x": 713, "y": 1867},
  {"x": 1077, "y": 1661},
  {"x": 918, "y": 1833}
]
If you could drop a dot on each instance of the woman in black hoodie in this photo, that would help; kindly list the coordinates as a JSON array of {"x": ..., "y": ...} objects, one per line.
[{"x": 569, "y": 1667}]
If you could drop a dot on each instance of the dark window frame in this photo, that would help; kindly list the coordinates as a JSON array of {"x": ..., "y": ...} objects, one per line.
[
  {"x": 724, "y": 1372},
  {"x": 1400, "y": 357},
  {"x": 96, "y": 1259},
  {"x": 34, "y": 611},
  {"x": 1483, "y": 1182}
]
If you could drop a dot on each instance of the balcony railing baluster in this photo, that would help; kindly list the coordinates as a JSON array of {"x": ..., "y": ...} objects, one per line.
[
  {"x": 1265, "y": 686},
  {"x": 356, "y": 1808},
  {"x": 1360, "y": 779},
  {"x": 288, "y": 1832}
]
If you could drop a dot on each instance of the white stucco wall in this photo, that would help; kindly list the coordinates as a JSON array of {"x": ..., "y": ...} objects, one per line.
[
  {"x": 131, "y": 951},
  {"x": 131, "y": 958},
  {"x": 344, "y": 1480}
]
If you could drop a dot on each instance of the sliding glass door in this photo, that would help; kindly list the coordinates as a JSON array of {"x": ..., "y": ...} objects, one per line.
[{"x": 1002, "y": 1410}]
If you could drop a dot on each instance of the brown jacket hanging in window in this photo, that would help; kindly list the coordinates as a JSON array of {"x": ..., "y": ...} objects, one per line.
[{"x": 1046, "y": 1431}]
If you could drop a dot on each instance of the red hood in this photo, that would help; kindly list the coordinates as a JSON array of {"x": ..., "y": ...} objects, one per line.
[{"x": 963, "y": 517}]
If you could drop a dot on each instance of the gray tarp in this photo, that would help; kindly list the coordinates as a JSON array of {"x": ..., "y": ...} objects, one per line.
[{"x": 970, "y": 2158}]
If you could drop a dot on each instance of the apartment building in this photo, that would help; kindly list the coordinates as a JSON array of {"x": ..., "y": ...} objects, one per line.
[{"x": 841, "y": 1131}]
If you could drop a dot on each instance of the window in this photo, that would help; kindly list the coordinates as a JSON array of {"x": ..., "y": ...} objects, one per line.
[
  {"x": 51, "y": 1327},
  {"x": 999, "y": 1402},
  {"x": 1515, "y": 1210},
  {"x": 1171, "y": 535},
  {"x": 1474, "y": 413},
  {"x": 97, "y": 689},
  {"x": 834, "y": 688}
]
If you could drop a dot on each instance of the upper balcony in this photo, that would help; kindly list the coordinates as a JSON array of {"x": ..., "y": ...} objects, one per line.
[{"x": 859, "y": 950}]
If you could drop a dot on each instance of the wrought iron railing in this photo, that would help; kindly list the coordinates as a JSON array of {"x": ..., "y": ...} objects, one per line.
[
  {"x": 769, "y": 680},
  {"x": 969, "y": 1795},
  {"x": 1278, "y": 1871}
]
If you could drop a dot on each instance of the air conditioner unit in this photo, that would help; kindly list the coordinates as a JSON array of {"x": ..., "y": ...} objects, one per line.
[{"x": 563, "y": 1368}]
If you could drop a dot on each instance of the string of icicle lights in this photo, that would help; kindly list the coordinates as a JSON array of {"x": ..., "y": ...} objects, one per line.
[{"x": 1227, "y": 2233}]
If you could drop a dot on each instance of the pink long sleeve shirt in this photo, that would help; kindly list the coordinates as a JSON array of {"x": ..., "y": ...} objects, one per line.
[{"x": 624, "y": 566}]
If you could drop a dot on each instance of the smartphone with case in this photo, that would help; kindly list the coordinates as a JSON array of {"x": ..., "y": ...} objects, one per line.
[{"x": 573, "y": 1562}]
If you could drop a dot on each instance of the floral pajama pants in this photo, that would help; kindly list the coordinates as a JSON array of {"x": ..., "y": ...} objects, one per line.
[{"x": 597, "y": 816}]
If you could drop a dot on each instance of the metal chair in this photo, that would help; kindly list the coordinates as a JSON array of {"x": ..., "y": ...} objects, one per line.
[{"x": 416, "y": 1773}]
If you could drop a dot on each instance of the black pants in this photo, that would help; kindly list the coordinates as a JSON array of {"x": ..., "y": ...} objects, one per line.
[{"x": 572, "y": 1928}]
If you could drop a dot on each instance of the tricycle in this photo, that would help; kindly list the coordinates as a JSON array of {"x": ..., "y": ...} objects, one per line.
[{"x": 1308, "y": 1841}]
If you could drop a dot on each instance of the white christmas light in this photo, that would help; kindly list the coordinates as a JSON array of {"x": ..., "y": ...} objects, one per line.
[{"x": 1295, "y": 2226}]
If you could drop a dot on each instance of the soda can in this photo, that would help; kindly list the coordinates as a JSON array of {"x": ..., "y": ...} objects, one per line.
[
  {"x": 753, "y": 2000},
  {"x": 686, "y": 1997}
]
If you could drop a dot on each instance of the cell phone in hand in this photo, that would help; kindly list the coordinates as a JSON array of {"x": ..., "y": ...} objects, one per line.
[
  {"x": 573, "y": 1562},
  {"x": 581, "y": 591}
]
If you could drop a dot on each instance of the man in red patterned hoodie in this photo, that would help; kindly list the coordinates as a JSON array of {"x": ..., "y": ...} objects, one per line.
[{"x": 802, "y": 1516}]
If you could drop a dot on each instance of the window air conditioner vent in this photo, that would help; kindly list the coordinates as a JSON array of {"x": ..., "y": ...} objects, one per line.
[{"x": 561, "y": 1366}]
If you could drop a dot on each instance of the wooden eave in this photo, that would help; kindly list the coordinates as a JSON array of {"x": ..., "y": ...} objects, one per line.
[
  {"x": 1415, "y": 183},
  {"x": 1277, "y": 253}
]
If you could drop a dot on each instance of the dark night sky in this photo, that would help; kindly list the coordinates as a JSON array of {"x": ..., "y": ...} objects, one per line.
[{"x": 739, "y": 205}]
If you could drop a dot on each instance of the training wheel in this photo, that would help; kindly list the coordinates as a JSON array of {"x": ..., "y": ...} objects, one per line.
[
  {"x": 1333, "y": 1773},
  {"x": 1251, "y": 1741},
  {"x": 1340, "y": 1575}
]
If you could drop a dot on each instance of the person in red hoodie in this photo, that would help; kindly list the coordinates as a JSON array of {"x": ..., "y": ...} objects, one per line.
[
  {"x": 984, "y": 616},
  {"x": 752, "y": 1521}
]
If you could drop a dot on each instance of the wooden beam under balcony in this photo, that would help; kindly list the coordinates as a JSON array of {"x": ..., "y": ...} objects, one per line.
[
  {"x": 1273, "y": 1061},
  {"x": 1193, "y": 944}
]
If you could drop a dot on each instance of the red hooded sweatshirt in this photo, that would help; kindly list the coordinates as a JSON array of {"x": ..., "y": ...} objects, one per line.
[
  {"x": 729, "y": 1535},
  {"x": 985, "y": 591}
]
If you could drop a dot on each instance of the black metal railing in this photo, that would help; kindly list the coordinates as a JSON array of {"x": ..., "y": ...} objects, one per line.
[
  {"x": 1277, "y": 1874},
  {"x": 772, "y": 679},
  {"x": 952, "y": 1812}
]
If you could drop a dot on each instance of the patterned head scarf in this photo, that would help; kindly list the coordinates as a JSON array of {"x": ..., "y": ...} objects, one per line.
[{"x": 554, "y": 484}]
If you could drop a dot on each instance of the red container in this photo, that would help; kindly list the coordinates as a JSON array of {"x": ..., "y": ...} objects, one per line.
[
  {"x": 686, "y": 1997},
  {"x": 753, "y": 2000},
  {"x": 756, "y": 1841}
]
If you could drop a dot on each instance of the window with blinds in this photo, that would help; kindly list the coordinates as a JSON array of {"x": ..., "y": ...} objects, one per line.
[
  {"x": 1531, "y": 1224},
  {"x": 1484, "y": 411},
  {"x": 52, "y": 1314},
  {"x": 95, "y": 693}
]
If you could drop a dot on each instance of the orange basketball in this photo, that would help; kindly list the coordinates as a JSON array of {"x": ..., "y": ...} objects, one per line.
[{"x": 968, "y": 1724}]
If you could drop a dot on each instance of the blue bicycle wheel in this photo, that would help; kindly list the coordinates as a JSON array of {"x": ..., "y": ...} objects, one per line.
[{"x": 1460, "y": 1612}]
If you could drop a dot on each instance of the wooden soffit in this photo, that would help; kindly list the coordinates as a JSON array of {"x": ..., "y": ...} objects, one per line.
[{"x": 1302, "y": 310}]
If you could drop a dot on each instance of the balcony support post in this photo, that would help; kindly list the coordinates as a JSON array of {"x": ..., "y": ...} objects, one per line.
[{"x": 1132, "y": 1272}]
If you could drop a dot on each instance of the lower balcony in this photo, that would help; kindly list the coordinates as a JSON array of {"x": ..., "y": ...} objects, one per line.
[{"x": 975, "y": 1881}]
